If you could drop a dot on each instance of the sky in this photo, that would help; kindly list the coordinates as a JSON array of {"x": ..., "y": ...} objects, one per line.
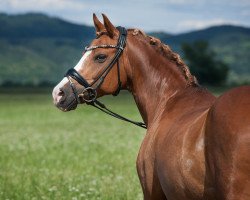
[{"x": 172, "y": 16}]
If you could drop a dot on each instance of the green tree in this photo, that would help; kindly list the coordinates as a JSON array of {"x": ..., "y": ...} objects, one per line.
[{"x": 204, "y": 64}]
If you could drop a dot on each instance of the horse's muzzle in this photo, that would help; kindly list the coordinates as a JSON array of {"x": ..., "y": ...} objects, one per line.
[{"x": 63, "y": 100}]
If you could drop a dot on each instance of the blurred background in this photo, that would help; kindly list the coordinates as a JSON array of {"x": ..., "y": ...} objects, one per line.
[
  {"x": 39, "y": 40},
  {"x": 47, "y": 154}
]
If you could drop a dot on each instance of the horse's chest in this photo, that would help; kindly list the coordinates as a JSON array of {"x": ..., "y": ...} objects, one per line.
[{"x": 145, "y": 164}]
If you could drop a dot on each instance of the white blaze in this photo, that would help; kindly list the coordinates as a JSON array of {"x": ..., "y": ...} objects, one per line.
[
  {"x": 64, "y": 81},
  {"x": 82, "y": 60}
]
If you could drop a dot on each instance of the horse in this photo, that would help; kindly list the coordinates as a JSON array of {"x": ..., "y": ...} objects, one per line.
[{"x": 196, "y": 146}]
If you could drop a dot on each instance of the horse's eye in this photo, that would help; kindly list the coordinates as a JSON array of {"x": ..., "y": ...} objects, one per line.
[{"x": 101, "y": 58}]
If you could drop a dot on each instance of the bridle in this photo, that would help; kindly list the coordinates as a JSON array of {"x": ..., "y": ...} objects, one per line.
[{"x": 89, "y": 92}]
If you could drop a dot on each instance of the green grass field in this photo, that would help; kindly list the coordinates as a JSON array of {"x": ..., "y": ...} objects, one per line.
[{"x": 84, "y": 154}]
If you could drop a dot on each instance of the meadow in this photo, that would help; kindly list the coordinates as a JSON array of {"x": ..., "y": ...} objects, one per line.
[{"x": 84, "y": 154}]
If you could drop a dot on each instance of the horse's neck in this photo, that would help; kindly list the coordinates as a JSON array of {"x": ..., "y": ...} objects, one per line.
[{"x": 154, "y": 80}]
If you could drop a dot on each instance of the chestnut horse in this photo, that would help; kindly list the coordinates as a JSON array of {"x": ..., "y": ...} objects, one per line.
[{"x": 197, "y": 146}]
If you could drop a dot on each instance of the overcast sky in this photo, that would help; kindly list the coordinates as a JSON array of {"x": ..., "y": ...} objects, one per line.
[{"x": 173, "y": 16}]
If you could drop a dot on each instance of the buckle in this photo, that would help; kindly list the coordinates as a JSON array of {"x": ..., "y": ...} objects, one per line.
[{"x": 91, "y": 95}]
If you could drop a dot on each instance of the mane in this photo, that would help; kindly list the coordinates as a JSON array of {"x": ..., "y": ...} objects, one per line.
[{"x": 167, "y": 52}]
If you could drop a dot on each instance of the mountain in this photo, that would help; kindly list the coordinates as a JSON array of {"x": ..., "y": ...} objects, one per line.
[
  {"x": 161, "y": 35},
  {"x": 39, "y": 25},
  {"x": 37, "y": 49}
]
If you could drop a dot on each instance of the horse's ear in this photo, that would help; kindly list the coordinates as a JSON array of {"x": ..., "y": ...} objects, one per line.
[
  {"x": 110, "y": 28},
  {"x": 99, "y": 27}
]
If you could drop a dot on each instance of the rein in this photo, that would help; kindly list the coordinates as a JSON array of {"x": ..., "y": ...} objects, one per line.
[{"x": 91, "y": 91}]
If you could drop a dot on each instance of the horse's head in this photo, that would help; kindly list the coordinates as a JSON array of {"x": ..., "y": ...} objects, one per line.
[{"x": 100, "y": 71}]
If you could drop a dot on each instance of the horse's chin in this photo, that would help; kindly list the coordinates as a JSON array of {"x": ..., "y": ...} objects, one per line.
[
  {"x": 69, "y": 108},
  {"x": 65, "y": 107}
]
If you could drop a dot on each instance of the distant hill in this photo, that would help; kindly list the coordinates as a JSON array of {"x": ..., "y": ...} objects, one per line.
[
  {"x": 37, "y": 49},
  {"x": 161, "y": 35}
]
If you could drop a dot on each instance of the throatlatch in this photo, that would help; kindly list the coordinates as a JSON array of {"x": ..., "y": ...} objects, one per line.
[{"x": 89, "y": 93}]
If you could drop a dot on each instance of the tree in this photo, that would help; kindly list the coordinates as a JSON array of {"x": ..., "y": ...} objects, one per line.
[{"x": 204, "y": 64}]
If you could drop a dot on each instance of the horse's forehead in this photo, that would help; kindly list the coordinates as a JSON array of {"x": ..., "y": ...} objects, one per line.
[{"x": 103, "y": 39}]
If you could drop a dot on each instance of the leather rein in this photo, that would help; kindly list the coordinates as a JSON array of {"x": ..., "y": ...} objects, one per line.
[{"x": 89, "y": 93}]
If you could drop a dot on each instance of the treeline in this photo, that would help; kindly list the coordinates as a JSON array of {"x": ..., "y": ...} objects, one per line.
[{"x": 205, "y": 64}]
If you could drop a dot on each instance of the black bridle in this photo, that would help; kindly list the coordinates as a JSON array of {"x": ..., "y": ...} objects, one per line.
[{"x": 89, "y": 93}]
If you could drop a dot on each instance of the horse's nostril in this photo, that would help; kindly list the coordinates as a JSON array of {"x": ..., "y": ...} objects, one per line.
[
  {"x": 62, "y": 95},
  {"x": 61, "y": 92}
]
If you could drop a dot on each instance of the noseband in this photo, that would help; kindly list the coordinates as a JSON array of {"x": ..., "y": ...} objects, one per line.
[{"x": 89, "y": 91}]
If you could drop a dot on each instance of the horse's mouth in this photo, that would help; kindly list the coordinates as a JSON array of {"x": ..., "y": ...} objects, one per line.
[
  {"x": 70, "y": 103},
  {"x": 70, "y": 106}
]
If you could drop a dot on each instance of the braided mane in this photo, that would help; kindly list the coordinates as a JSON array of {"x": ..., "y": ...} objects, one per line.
[{"x": 166, "y": 51}]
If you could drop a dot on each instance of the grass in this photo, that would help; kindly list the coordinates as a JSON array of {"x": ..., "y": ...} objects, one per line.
[
  {"x": 84, "y": 154},
  {"x": 48, "y": 154}
]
